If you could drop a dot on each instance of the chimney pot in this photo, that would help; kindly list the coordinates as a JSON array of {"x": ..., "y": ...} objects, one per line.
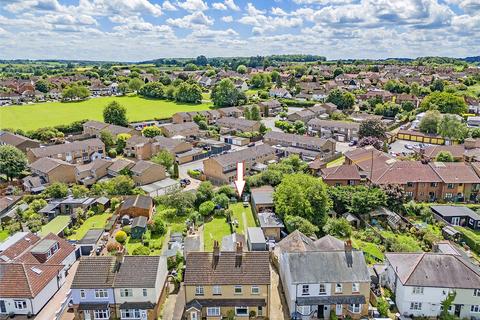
[{"x": 348, "y": 245}]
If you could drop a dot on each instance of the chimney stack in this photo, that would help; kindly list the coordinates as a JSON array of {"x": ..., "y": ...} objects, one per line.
[
  {"x": 238, "y": 254},
  {"x": 216, "y": 253},
  {"x": 348, "y": 245},
  {"x": 119, "y": 256}
]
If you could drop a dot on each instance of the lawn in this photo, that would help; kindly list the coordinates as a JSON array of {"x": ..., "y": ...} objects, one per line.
[
  {"x": 156, "y": 243},
  {"x": 215, "y": 229},
  {"x": 3, "y": 235},
  {"x": 238, "y": 211},
  {"x": 336, "y": 162},
  {"x": 55, "y": 226},
  {"x": 370, "y": 249},
  {"x": 96, "y": 221},
  {"x": 34, "y": 116}
]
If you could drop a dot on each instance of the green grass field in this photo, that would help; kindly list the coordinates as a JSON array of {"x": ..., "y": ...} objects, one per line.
[
  {"x": 55, "y": 226},
  {"x": 3, "y": 235},
  {"x": 238, "y": 211},
  {"x": 215, "y": 229},
  {"x": 34, "y": 116},
  {"x": 94, "y": 222}
]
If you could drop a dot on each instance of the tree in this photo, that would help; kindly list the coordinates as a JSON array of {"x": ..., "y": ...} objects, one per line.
[
  {"x": 204, "y": 192},
  {"x": 371, "y": 141},
  {"x": 450, "y": 127},
  {"x": 56, "y": 190},
  {"x": 117, "y": 186},
  {"x": 206, "y": 208},
  {"x": 158, "y": 226},
  {"x": 293, "y": 223},
  {"x": 151, "y": 131},
  {"x": 304, "y": 196},
  {"x": 121, "y": 236},
  {"x": 182, "y": 202},
  {"x": 190, "y": 67},
  {"x": 242, "y": 69},
  {"x": 12, "y": 161},
  {"x": 201, "y": 60},
  {"x": 222, "y": 200},
  {"x": 188, "y": 93},
  {"x": 338, "y": 227},
  {"x": 444, "y": 102},
  {"x": 343, "y": 100},
  {"x": 260, "y": 80},
  {"x": 372, "y": 128},
  {"x": 446, "y": 304},
  {"x": 123, "y": 88},
  {"x": 407, "y": 106},
  {"x": 337, "y": 72},
  {"x": 122, "y": 141},
  {"x": 114, "y": 113},
  {"x": 135, "y": 84},
  {"x": 396, "y": 196},
  {"x": 141, "y": 251},
  {"x": 248, "y": 114},
  {"x": 75, "y": 92},
  {"x": 430, "y": 122},
  {"x": 444, "y": 156},
  {"x": 165, "y": 158},
  {"x": 225, "y": 94},
  {"x": 255, "y": 113},
  {"x": 79, "y": 191},
  {"x": 437, "y": 85},
  {"x": 175, "y": 173},
  {"x": 154, "y": 90},
  {"x": 107, "y": 138},
  {"x": 42, "y": 85}
]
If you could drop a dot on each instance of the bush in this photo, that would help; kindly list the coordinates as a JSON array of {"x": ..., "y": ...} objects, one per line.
[
  {"x": 121, "y": 236},
  {"x": 141, "y": 251},
  {"x": 383, "y": 307},
  {"x": 127, "y": 229},
  {"x": 113, "y": 246},
  {"x": 194, "y": 174},
  {"x": 338, "y": 227},
  {"x": 112, "y": 153},
  {"x": 206, "y": 208}
]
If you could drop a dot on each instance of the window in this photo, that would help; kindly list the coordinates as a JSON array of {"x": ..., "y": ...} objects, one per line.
[
  {"x": 322, "y": 290},
  {"x": 101, "y": 314},
  {"x": 475, "y": 308},
  {"x": 241, "y": 311},
  {"x": 145, "y": 292},
  {"x": 126, "y": 293},
  {"x": 260, "y": 311},
  {"x": 338, "y": 288},
  {"x": 410, "y": 194},
  {"x": 355, "y": 287},
  {"x": 354, "y": 308},
  {"x": 216, "y": 290},
  {"x": 255, "y": 290},
  {"x": 213, "y": 311},
  {"x": 82, "y": 294},
  {"x": 304, "y": 309},
  {"x": 415, "y": 306},
  {"x": 450, "y": 186},
  {"x": 20, "y": 304},
  {"x": 238, "y": 290},
  {"x": 130, "y": 313},
  {"x": 409, "y": 184},
  {"x": 305, "y": 290},
  {"x": 433, "y": 184},
  {"x": 199, "y": 291},
  {"x": 417, "y": 290},
  {"x": 101, "y": 293},
  {"x": 476, "y": 292}
]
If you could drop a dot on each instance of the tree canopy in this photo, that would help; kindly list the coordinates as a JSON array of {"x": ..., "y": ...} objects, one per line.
[
  {"x": 444, "y": 102},
  {"x": 114, "y": 113},
  {"x": 225, "y": 94},
  {"x": 343, "y": 100},
  {"x": 12, "y": 161}
]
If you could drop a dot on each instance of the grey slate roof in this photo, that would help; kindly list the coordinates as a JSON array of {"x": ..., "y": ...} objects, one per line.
[
  {"x": 244, "y": 155},
  {"x": 434, "y": 270},
  {"x": 255, "y": 235},
  {"x": 138, "y": 271},
  {"x": 263, "y": 195},
  {"x": 455, "y": 211},
  {"x": 94, "y": 272},
  {"x": 329, "y": 243},
  {"x": 269, "y": 220},
  {"x": 140, "y": 221},
  {"x": 318, "y": 267},
  {"x": 76, "y": 146}
]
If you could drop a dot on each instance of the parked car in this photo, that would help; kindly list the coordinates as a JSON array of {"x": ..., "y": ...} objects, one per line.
[
  {"x": 409, "y": 146},
  {"x": 353, "y": 143},
  {"x": 251, "y": 144}
]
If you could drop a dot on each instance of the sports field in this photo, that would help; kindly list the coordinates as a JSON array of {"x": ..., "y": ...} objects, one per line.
[{"x": 34, "y": 116}]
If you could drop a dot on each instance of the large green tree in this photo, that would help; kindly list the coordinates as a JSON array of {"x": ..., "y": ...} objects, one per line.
[
  {"x": 304, "y": 196},
  {"x": 164, "y": 158},
  {"x": 188, "y": 93},
  {"x": 152, "y": 90},
  {"x": 114, "y": 113},
  {"x": 225, "y": 94},
  {"x": 452, "y": 128},
  {"x": 342, "y": 99},
  {"x": 430, "y": 122},
  {"x": 372, "y": 128},
  {"x": 444, "y": 102},
  {"x": 12, "y": 161},
  {"x": 135, "y": 84}
]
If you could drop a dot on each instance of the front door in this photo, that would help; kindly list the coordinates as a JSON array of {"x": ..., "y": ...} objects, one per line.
[
  {"x": 3, "y": 309},
  {"x": 456, "y": 221},
  {"x": 193, "y": 315},
  {"x": 320, "y": 311},
  {"x": 338, "y": 309},
  {"x": 87, "y": 315},
  {"x": 458, "y": 309}
]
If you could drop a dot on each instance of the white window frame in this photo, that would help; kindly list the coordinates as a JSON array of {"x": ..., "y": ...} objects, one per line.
[
  {"x": 126, "y": 292},
  {"x": 415, "y": 306},
  {"x": 83, "y": 294},
  {"x": 304, "y": 310},
  {"x": 20, "y": 304},
  {"x": 355, "y": 287},
  {"x": 417, "y": 290},
  {"x": 320, "y": 291},
  {"x": 355, "y": 307},
  {"x": 217, "y": 290},
  {"x": 101, "y": 314},
  {"x": 305, "y": 290},
  {"x": 145, "y": 292},
  {"x": 135, "y": 314},
  {"x": 338, "y": 288},
  {"x": 101, "y": 293},
  {"x": 476, "y": 292},
  {"x": 213, "y": 311},
  {"x": 235, "y": 288},
  {"x": 199, "y": 291},
  {"x": 242, "y": 314},
  {"x": 339, "y": 309},
  {"x": 255, "y": 290},
  {"x": 475, "y": 308}
]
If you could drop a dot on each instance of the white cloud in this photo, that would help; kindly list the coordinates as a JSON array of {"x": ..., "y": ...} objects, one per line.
[
  {"x": 231, "y": 5},
  {"x": 261, "y": 23},
  {"x": 219, "y": 6},
  {"x": 168, "y": 6},
  {"x": 193, "y": 5},
  {"x": 227, "y": 19},
  {"x": 192, "y": 20}
]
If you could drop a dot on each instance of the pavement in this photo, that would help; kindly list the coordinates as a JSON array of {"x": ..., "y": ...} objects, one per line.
[
  {"x": 174, "y": 305},
  {"x": 398, "y": 147},
  {"x": 278, "y": 304},
  {"x": 49, "y": 311}
]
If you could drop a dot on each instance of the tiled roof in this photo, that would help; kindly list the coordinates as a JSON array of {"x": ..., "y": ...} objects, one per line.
[
  {"x": 201, "y": 268},
  {"x": 138, "y": 272},
  {"x": 342, "y": 172},
  {"x": 138, "y": 201},
  {"x": 65, "y": 249},
  {"x": 19, "y": 247},
  {"x": 455, "y": 172},
  {"x": 76, "y": 146},
  {"x": 46, "y": 165},
  {"x": 247, "y": 154},
  {"x": 95, "y": 272}
]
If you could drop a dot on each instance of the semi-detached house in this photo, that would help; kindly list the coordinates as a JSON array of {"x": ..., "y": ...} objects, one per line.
[{"x": 75, "y": 152}]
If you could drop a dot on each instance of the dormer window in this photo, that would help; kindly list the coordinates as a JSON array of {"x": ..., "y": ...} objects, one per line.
[{"x": 52, "y": 250}]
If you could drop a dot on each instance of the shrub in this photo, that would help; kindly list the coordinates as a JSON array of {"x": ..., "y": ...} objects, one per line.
[
  {"x": 194, "y": 174},
  {"x": 127, "y": 229},
  {"x": 141, "y": 251},
  {"x": 112, "y": 153},
  {"x": 113, "y": 246},
  {"x": 121, "y": 236},
  {"x": 206, "y": 208}
]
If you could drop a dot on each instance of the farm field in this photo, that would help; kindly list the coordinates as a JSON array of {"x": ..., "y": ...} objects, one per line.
[{"x": 34, "y": 116}]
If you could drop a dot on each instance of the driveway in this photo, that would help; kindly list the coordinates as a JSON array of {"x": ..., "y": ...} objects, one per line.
[
  {"x": 278, "y": 304},
  {"x": 49, "y": 311}
]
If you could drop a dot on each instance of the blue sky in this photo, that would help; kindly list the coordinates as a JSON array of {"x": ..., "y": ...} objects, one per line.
[{"x": 135, "y": 30}]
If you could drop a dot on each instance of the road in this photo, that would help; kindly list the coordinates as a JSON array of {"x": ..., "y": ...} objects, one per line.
[{"x": 48, "y": 312}]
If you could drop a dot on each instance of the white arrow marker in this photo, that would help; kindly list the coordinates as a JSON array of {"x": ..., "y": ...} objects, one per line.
[{"x": 240, "y": 183}]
